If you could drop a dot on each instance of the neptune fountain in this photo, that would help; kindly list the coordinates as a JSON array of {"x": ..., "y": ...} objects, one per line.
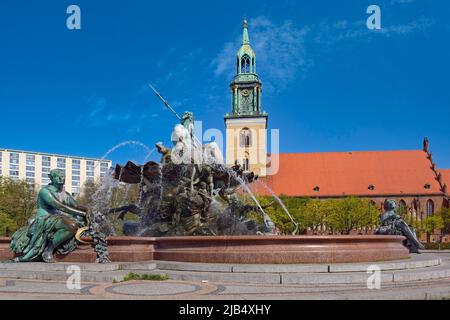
[
  {"x": 190, "y": 208},
  {"x": 190, "y": 192}
]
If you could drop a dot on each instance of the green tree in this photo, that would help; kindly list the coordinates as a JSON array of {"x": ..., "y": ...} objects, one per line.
[
  {"x": 431, "y": 224},
  {"x": 295, "y": 207},
  {"x": 444, "y": 213},
  {"x": 17, "y": 203},
  {"x": 315, "y": 214},
  {"x": 88, "y": 191},
  {"x": 7, "y": 225},
  {"x": 352, "y": 213}
]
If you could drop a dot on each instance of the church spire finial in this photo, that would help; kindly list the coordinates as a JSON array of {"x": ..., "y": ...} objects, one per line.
[{"x": 245, "y": 37}]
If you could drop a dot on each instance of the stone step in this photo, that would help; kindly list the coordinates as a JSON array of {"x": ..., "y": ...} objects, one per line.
[
  {"x": 88, "y": 267},
  {"x": 86, "y": 277},
  {"x": 438, "y": 272},
  {"x": 419, "y": 269},
  {"x": 417, "y": 261},
  {"x": 40, "y": 266}
]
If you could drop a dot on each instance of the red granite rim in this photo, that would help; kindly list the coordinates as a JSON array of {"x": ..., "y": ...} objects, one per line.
[
  {"x": 244, "y": 238},
  {"x": 346, "y": 238},
  {"x": 242, "y": 249}
]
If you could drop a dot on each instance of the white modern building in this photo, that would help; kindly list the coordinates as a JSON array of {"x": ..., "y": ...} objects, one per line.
[{"x": 34, "y": 167}]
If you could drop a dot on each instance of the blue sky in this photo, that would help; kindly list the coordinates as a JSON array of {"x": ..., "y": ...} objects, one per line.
[{"x": 329, "y": 83}]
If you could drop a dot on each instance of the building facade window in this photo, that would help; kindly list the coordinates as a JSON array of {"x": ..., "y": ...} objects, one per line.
[
  {"x": 90, "y": 169},
  {"x": 46, "y": 161},
  {"x": 46, "y": 168},
  {"x": 246, "y": 138},
  {"x": 76, "y": 164},
  {"x": 104, "y": 166},
  {"x": 61, "y": 163},
  {"x": 14, "y": 160},
  {"x": 430, "y": 208},
  {"x": 76, "y": 191}
]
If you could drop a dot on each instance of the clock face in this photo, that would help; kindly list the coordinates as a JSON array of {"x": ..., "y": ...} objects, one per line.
[{"x": 245, "y": 93}]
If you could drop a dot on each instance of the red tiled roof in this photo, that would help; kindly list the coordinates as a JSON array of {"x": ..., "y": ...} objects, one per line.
[
  {"x": 445, "y": 176},
  {"x": 351, "y": 173}
]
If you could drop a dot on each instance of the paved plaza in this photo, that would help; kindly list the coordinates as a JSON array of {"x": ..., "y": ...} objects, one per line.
[{"x": 425, "y": 276}]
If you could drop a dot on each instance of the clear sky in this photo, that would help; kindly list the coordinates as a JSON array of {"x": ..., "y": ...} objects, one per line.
[{"x": 329, "y": 83}]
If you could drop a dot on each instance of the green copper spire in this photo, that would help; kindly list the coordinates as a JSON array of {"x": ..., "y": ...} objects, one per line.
[
  {"x": 245, "y": 38},
  {"x": 246, "y": 87},
  {"x": 246, "y": 57}
]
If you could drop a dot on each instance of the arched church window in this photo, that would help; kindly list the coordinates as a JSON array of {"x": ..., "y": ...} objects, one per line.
[
  {"x": 402, "y": 209},
  {"x": 446, "y": 203},
  {"x": 430, "y": 208},
  {"x": 246, "y": 138},
  {"x": 245, "y": 64},
  {"x": 246, "y": 162}
]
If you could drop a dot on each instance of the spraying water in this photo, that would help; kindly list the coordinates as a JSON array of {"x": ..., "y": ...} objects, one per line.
[
  {"x": 125, "y": 143},
  {"x": 267, "y": 221},
  {"x": 281, "y": 204},
  {"x": 149, "y": 155}
]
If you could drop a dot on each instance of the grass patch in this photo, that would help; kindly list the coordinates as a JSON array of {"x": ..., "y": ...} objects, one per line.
[{"x": 148, "y": 277}]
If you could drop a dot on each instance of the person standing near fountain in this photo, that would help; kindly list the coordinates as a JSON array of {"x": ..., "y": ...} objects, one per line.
[{"x": 53, "y": 227}]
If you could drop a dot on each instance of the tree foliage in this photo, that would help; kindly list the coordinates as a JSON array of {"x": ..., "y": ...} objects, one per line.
[
  {"x": 338, "y": 216},
  {"x": 433, "y": 223},
  {"x": 17, "y": 204},
  {"x": 444, "y": 213},
  {"x": 352, "y": 213}
]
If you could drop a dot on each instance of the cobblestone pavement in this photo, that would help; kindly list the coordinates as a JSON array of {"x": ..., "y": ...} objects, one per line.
[
  {"x": 189, "y": 290},
  {"x": 218, "y": 290}
]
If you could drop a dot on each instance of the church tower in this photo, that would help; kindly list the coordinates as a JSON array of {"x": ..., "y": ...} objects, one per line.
[{"x": 246, "y": 126}]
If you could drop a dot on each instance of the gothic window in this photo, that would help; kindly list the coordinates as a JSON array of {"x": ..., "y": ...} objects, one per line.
[
  {"x": 430, "y": 208},
  {"x": 246, "y": 138},
  {"x": 446, "y": 203},
  {"x": 402, "y": 210},
  {"x": 245, "y": 64}
]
